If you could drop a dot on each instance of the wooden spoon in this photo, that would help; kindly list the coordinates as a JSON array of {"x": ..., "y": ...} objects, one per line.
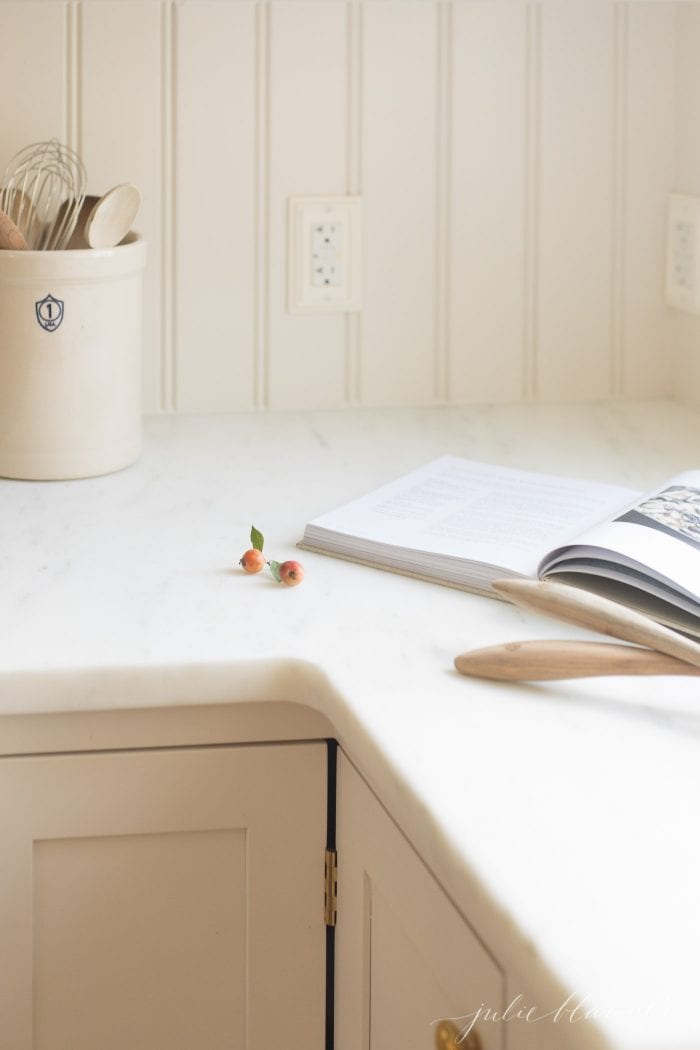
[
  {"x": 77, "y": 239},
  {"x": 111, "y": 217},
  {"x": 545, "y": 660},
  {"x": 584, "y": 609},
  {"x": 10, "y": 237}
]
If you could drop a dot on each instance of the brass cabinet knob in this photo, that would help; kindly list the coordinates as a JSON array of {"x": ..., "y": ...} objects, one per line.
[{"x": 447, "y": 1037}]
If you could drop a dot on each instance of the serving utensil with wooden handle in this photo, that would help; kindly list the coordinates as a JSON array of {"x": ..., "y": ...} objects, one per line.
[
  {"x": 584, "y": 609},
  {"x": 666, "y": 651},
  {"x": 540, "y": 661}
]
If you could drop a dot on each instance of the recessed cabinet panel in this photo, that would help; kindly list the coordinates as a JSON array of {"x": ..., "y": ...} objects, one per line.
[
  {"x": 163, "y": 900},
  {"x": 399, "y": 963},
  {"x": 138, "y": 937},
  {"x": 406, "y": 958}
]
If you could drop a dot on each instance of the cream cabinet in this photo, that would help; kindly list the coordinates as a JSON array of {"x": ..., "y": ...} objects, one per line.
[
  {"x": 163, "y": 899},
  {"x": 173, "y": 898},
  {"x": 405, "y": 957}
]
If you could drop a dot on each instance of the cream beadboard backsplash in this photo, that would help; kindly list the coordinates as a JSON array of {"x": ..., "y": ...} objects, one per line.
[
  {"x": 514, "y": 161},
  {"x": 685, "y": 330}
]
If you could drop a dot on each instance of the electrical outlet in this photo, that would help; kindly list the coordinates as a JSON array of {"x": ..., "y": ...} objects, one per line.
[
  {"x": 327, "y": 255},
  {"x": 682, "y": 253},
  {"x": 323, "y": 256}
]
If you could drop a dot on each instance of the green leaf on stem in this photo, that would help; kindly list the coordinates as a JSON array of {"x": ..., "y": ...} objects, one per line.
[
  {"x": 275, "y": 570},
  {"x": 256, "y": 538}
]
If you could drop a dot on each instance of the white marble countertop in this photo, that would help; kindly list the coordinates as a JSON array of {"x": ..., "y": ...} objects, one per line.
[{"x": 561, "y": 817}]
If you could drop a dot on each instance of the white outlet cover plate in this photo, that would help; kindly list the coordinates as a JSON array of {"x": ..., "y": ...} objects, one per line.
[
  {"x": 683, "y": 253},
  {"x": 304, "y": 213}
]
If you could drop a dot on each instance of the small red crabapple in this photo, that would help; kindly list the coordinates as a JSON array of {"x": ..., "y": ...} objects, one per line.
[
  {"x": 252, "y": 561},
  {"x": 291, "y": 573}
]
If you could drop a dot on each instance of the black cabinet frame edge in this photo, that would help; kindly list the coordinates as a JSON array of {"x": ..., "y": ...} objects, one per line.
[{"x": 332, "y": 746}]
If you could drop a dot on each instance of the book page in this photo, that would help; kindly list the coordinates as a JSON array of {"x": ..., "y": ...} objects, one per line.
[
  {"x": 659, "y": 533},
  {"x": 474, "y": 511}
]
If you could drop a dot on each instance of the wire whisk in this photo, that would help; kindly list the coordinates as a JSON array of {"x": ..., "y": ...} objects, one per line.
[{"x": 43, "y": 188}]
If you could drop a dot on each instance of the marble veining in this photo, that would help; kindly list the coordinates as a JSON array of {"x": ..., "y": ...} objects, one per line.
[{"x": 560, "y": 817}]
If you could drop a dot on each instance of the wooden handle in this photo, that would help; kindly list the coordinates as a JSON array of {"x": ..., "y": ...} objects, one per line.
[
  {"x": 584, "y": 609},
  {"x": 544, "y": 660},
  {"x": 10, "y": 237}
]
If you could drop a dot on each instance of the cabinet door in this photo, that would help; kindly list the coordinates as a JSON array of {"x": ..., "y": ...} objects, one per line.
[
  {"x": 163, "y": 900},
  {"x": 405, "y": 957}
]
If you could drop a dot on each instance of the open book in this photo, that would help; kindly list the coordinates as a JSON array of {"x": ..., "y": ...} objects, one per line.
[{"x": 467, "y": 524}]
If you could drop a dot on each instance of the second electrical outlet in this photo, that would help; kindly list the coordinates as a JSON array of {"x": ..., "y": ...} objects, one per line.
[{"x": 323, "y": 258}]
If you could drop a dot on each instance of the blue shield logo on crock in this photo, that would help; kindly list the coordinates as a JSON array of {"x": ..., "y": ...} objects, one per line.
[{"x": 49, "y": 313}]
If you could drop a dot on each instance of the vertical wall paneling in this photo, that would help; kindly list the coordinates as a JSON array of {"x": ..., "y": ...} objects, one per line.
[
  {"x": 576, "y": 200},
  {"x": 619, "y": 216},
  {"x": 120, "y": 136},
  {"x": 261, "y": 210},
  {"x": 687, "y": 140},
  {"x": 353, "y": 319},
  {"x": 487, "y": 287},
  {"x": 514, "y": 161},
  {"x": 308, "y": 108},
  {"x": 443, "y": 198},
  {"x": 73, "y": 94},
  {"x": 168, "y": 240},
  {"x": 215, "y": 224},
  {"x": 532, "y": 98},
  {"x": 33, "y": 76},
  {"x": 686, "y": 327},
  {"x": 399, "y": 189},
  {"x": 649, "y": 146}
]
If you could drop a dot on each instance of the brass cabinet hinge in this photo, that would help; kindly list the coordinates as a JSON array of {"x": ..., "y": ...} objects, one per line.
[{"x": 330, "y": 898}]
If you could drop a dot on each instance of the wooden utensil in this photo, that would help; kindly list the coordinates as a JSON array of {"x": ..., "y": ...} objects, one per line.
[
  {"x": 10, "y": 237},
  {"x": 78, "y": 236},
  {"x": 584, "y": 609},
  {"x": 548, "y": 660},
  {"x": 112, "y": 216}
]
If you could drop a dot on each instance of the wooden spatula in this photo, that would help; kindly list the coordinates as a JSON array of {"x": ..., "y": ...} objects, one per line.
[
  {"x": 572, "y": 605},
  {"x": 548, "y": 660}
]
